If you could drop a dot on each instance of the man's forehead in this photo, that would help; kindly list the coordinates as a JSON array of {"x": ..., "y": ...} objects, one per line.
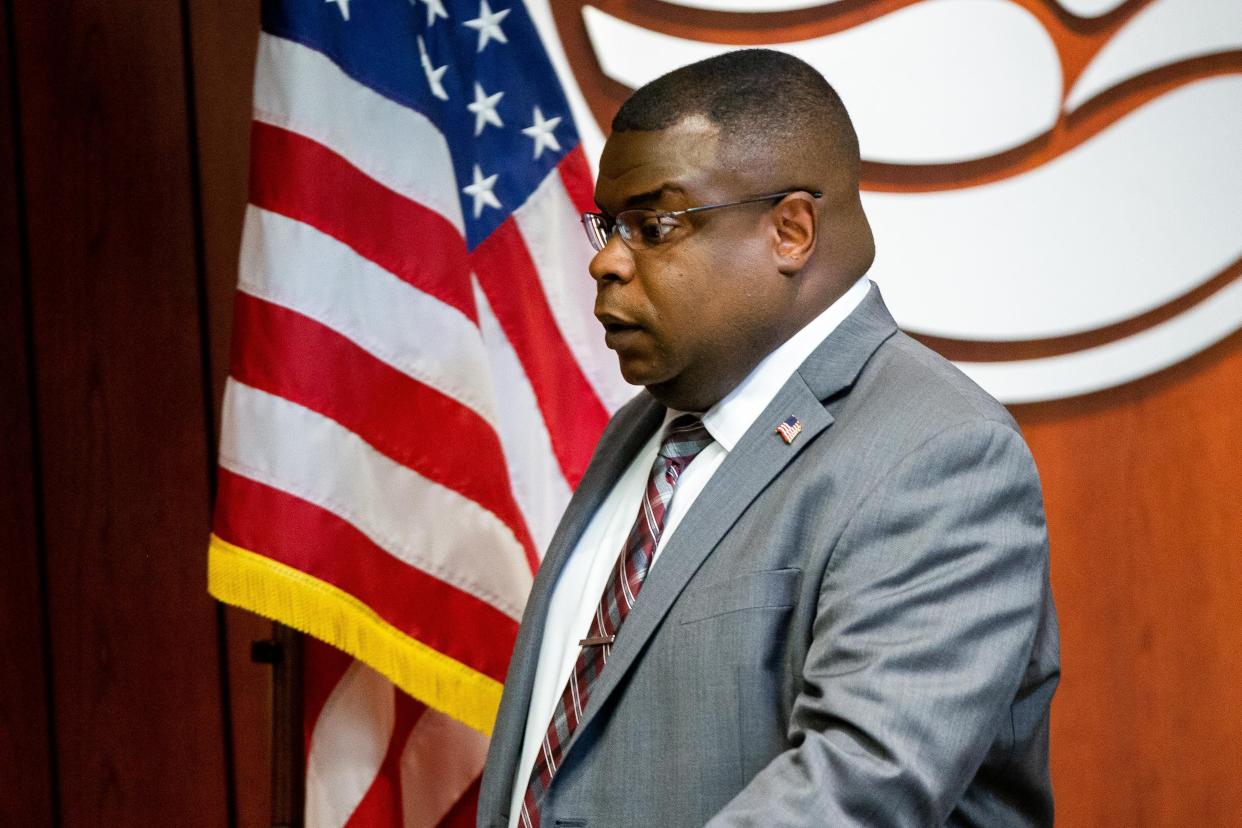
[{"x": 636, "y": 163}]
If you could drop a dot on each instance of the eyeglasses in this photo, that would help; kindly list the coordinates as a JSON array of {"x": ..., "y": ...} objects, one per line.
[{"x": 643, "y": 228}]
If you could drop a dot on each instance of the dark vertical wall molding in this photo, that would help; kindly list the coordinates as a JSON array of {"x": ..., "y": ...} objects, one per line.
[
  {"x": 223, "y": 39},
  {"x": 200, "y": 256},
  {"x": 28, "y": 706},
  {"x": 209, "y": 418}
]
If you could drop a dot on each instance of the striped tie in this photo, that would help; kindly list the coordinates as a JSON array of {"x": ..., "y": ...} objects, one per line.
[{"x": 685, "y": 438}]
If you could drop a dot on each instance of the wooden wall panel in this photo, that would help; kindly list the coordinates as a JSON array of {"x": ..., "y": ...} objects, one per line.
[
  {"x": 25, "y": 763},
  {"x": 121, "y": 413},
  {"x": 224, "y": 34},
  {"x": 1144, "y": 508}
]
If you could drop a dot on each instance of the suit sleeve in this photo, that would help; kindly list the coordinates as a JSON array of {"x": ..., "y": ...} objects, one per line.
[{"x": 926, "y": 618}]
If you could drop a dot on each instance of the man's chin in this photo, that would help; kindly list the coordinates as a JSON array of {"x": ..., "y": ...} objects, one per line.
[
  {"x": 639, "y": 370},
  {"x": 670, "y": 392},
  {"x": 638, "y": 375},
  {"x": 683, "y": 391}
]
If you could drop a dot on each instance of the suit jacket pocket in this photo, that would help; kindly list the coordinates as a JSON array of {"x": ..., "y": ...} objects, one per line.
[{"x": 754, "y": 590}]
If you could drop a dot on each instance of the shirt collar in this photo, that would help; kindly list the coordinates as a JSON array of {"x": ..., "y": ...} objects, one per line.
[{"x": 729, "y": 419}]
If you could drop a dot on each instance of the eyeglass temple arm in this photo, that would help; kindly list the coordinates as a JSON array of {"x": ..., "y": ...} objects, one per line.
[{"x": 769, "y": 196}]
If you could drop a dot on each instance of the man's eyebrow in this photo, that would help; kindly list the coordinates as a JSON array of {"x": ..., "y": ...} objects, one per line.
[
  {"x": 647, "y": 197},
  {"x": 654, "y": 195}
]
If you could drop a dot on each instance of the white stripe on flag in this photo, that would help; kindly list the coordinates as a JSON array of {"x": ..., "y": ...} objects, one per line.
[
  {"x": 280, "y": 443},
  {"x": 348, "y": 746},
  {"x": 538, "y": 485},
  {"x": 302, "y": 90},
  {"x": 550, "y": 226},
  {"x": 292, "y": 264},
  {"x": 441, "y": 760}
]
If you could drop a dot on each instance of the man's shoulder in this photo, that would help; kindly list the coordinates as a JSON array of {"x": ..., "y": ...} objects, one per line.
[{"x": 906, "y": 382}]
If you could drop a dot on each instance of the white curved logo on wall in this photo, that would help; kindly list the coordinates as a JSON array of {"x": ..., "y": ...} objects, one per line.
[{"x": 1056, "y": 193}]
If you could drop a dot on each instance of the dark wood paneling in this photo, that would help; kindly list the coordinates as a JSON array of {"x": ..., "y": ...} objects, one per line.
[
  {"x": 121, "y": 409},
  {"x": 224, "y": 34},
  {"x": 1142, "y": 486},
  {"x": 251, "y": 686},
  {"x": 25, "y": 763}
]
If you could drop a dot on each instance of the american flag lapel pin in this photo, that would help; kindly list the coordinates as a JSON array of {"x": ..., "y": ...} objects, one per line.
[{"x": 789, "y": 429}]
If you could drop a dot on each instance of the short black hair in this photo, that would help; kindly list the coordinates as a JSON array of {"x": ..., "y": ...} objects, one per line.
[{"x": 754, "y": 96}]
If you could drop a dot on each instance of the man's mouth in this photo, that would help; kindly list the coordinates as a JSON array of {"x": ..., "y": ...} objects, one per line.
[
  {"x": 616, "y": 324},
  {"x": 617, "y": 330}
]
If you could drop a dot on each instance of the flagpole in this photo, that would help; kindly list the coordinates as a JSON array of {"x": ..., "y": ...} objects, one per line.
[{"x": 284, "y": 653}]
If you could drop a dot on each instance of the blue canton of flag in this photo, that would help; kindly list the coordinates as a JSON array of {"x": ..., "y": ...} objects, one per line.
[{"x": 485, "y": 82}]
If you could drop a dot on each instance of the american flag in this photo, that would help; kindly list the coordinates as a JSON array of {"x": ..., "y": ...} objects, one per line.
[
  {"x": 416, "y": 381},
  {"x": 789, "y": 429}
]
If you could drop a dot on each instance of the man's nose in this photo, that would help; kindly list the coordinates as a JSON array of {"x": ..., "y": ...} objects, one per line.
[{"x": 615, "y": 263}]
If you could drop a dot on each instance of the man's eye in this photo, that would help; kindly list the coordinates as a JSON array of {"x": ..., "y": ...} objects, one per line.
[{"x": 654, "y": 229}]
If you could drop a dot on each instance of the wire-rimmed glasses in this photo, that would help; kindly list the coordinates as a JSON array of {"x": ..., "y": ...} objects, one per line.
[{"x": 643, "y": 228}]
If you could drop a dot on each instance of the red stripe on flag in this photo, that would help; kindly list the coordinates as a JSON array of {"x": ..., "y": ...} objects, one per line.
[
  {"x": 381, "y": 805},
  {"x": 464, "y": 812},
  {"x": 576, "y": 177},
  {"x": 574, "y": 415},
  {"x": 299, "y": 534},
  {"x": 300, "y": 178},
  {"x": 295, "y": 357}
]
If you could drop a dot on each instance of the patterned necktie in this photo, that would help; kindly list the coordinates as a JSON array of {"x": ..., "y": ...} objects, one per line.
[{"x": 685, "y": 438}]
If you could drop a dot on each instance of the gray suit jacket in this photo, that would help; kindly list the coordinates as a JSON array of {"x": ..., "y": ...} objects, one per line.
[{"x": 854, "y": 629}]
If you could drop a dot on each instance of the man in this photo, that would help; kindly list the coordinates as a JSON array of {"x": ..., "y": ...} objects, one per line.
[{"x": 825, "y": 590}]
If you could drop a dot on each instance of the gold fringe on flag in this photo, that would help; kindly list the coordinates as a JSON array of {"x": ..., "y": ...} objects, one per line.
[{"x": 272, "y": 589}]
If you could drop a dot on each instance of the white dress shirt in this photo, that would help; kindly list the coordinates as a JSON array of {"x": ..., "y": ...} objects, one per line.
[{"x": 585, "y": 574}]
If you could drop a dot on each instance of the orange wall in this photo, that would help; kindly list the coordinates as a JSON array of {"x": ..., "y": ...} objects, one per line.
[{"x": 1143, "y": 486}]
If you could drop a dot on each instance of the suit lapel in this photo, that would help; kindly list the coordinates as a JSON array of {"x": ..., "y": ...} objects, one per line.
[
  {"x": 836, "y": 363},
  {"x": 625, "y": 435},
  {"x": 755, "y": 461}
]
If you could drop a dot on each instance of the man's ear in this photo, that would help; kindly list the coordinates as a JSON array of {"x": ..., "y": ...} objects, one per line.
[{"x": 796, "y": 231}]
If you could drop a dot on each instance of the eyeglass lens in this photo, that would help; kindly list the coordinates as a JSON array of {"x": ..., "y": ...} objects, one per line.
[{"x": 597, "y": 230}]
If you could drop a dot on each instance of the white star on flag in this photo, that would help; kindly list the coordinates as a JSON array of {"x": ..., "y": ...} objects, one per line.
[
  {"x": 487, "y": 24},
  {"x": 484, "y": 108},
  {"x": 343, "y": 5},
  {"x": 481, "y": 191},
  {"x": 435, "y": 8},
  {"x": 541, "y": 132},
  {"x": 433, "y": 74}
]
